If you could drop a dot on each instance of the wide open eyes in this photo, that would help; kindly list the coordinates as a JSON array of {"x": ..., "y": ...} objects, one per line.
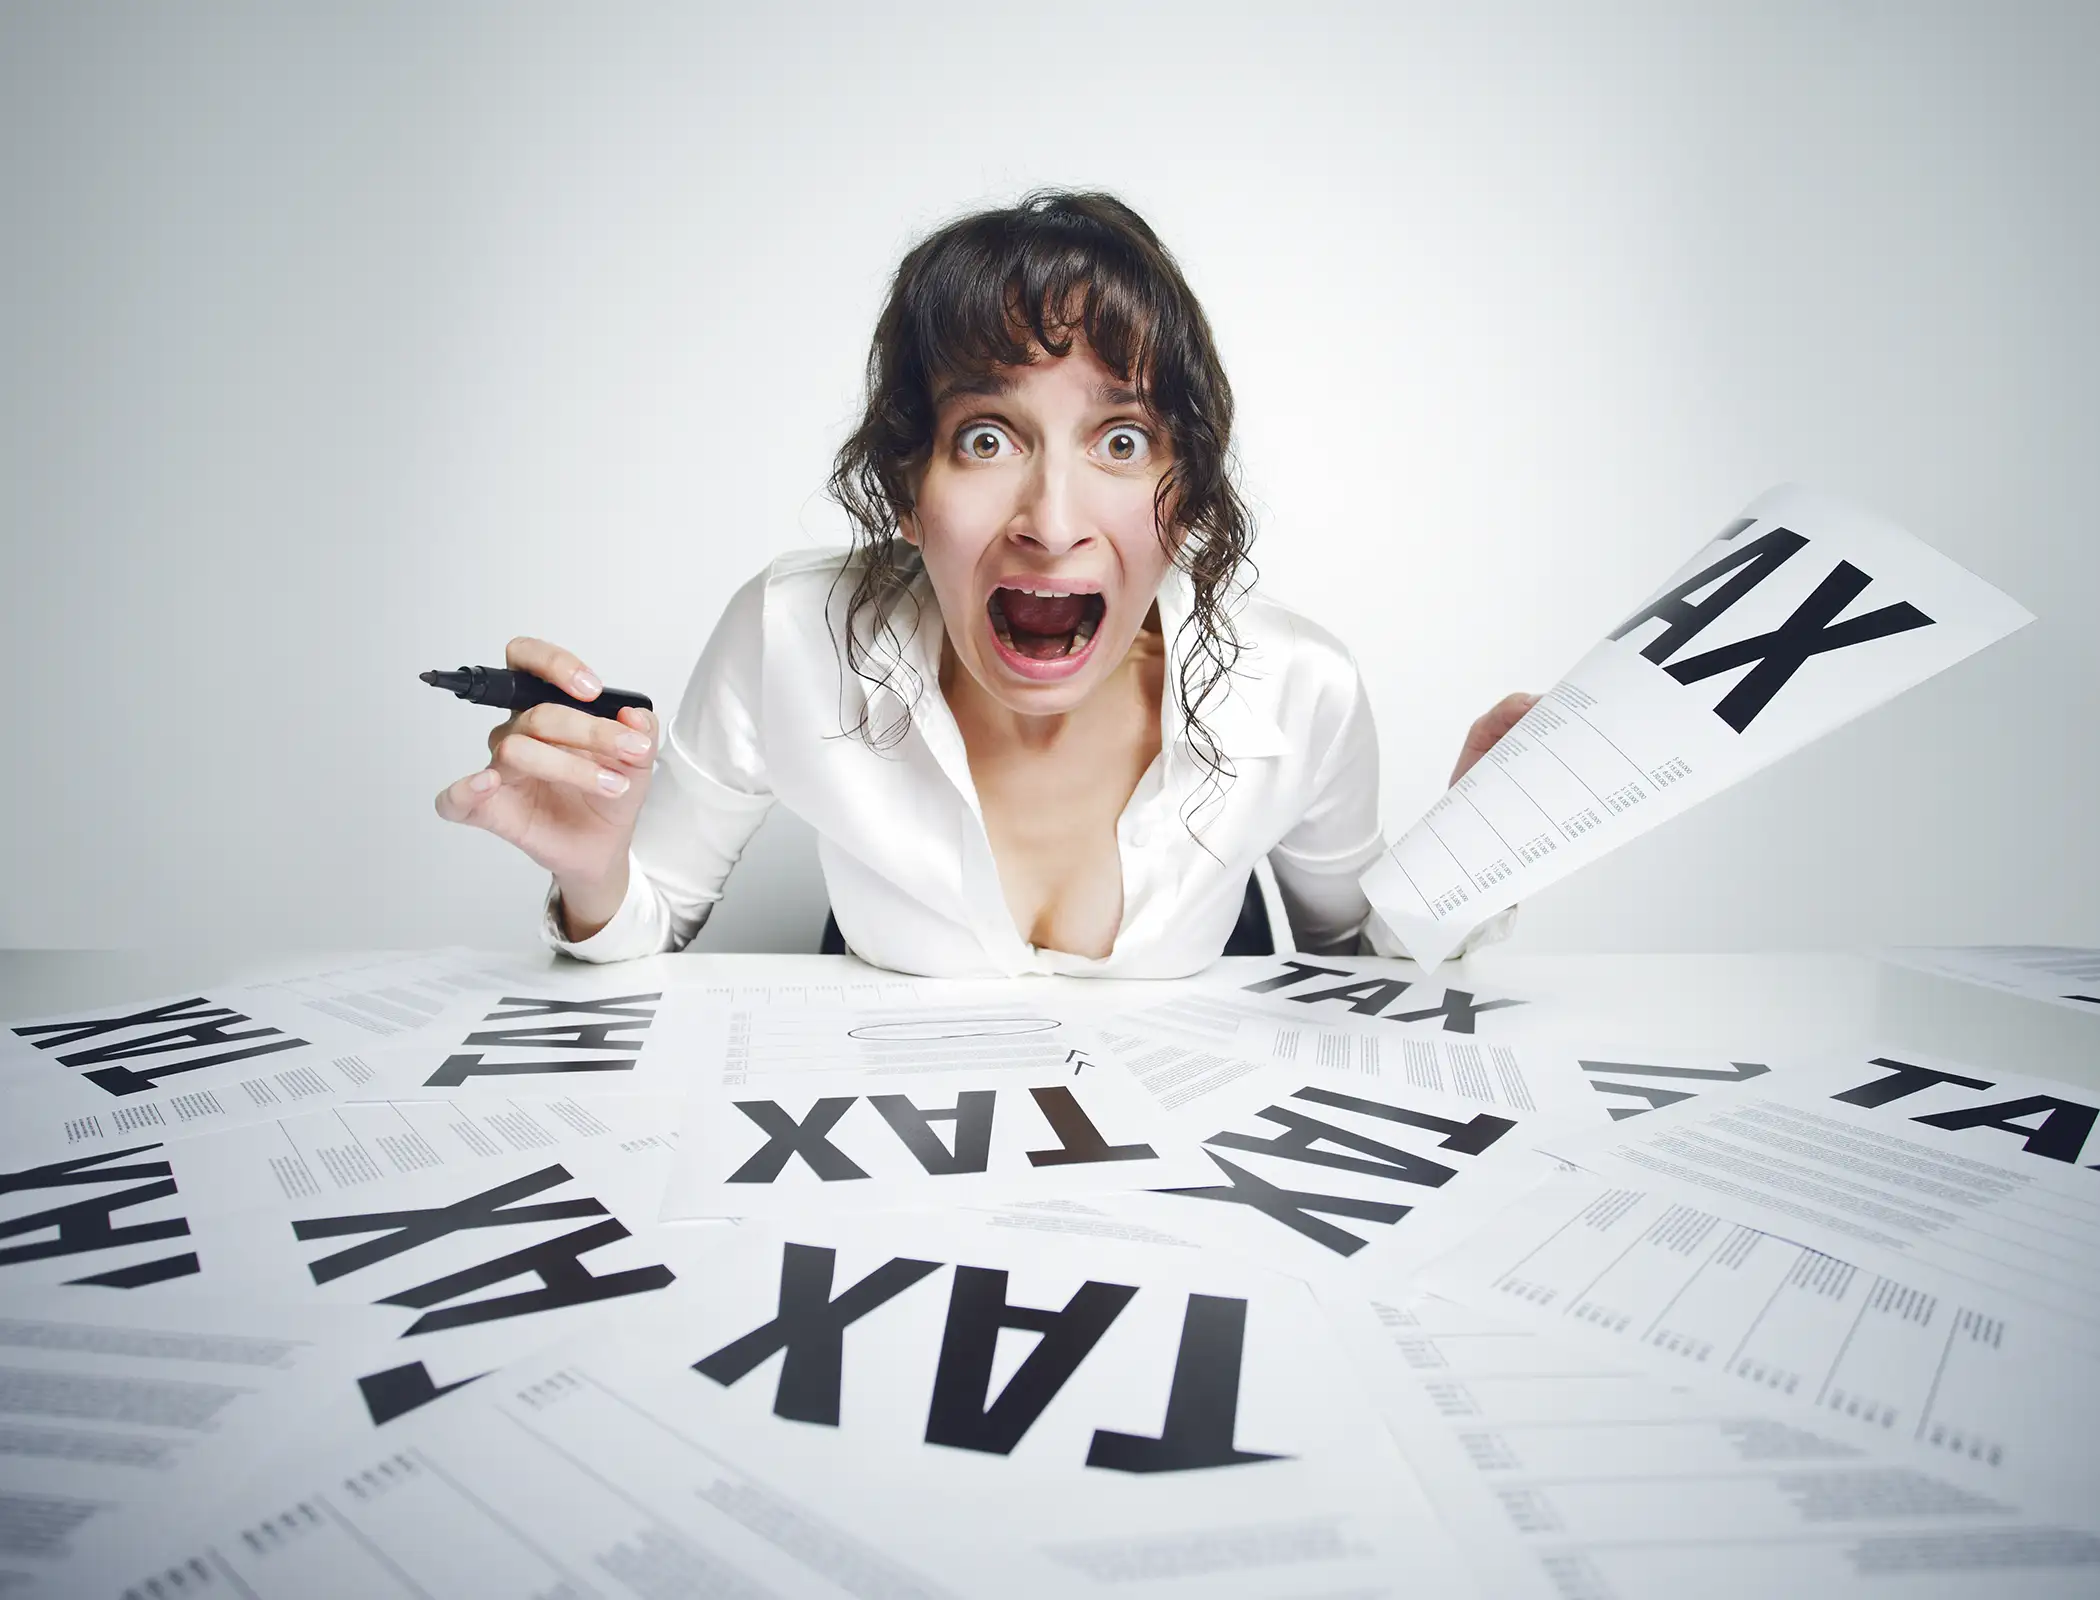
[
  {"x": 1122, "y": 445},
  {"x": 1125, "y": 445},
  {"x": 985, "y": 441}
]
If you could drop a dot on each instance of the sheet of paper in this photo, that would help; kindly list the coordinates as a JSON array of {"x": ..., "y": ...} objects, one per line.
[
  {"x": 123, "y": 1420},
  {"x": 787, "y": 1145},
  {"x": 1560, "y": 1471},
  {"x": 129, "y": 1217},
  {"x": 1799, "y": 616},
  {"x": 903, "y": 1407},
  {"x": 1182, "y": 1073},
  {"x": 1330, "y": 1179},
  {"x": 220, "y": 1057},
  {"x": 599, "y": 1030},
  {"x": 497, "y": 1249},
  {"x": 1022, "y": 1028},
  {"x": 1900, "y": 1163},
  {"x": 1972, "y": 1389},
  {"x": 1628, "y": 1080},
  {"x": 2062, "y": 975},
  {"x": 1299, "y": 1008}
]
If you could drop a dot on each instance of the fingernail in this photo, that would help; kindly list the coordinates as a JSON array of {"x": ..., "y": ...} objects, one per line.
[
  {"x": 483, "y": 781},
  {"x": 611, "y": 782},
  {"x": 586, "y": 684},
  {"x": 634, "y": 744}
]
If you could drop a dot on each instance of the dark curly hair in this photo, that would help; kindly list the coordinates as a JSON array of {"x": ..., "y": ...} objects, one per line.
[{"x": 986, "y": 291}]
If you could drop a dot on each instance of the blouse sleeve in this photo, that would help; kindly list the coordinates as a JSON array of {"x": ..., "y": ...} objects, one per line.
[
  {"x": 708, "y": 793},
  {"x": 1319, "y": 863}
]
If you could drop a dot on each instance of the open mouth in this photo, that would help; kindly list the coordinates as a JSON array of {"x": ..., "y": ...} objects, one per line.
[{"x": 1044, "y": 625}]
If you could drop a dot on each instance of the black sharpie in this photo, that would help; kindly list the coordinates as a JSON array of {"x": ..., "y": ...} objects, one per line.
[{"x": 505, "y": 690}]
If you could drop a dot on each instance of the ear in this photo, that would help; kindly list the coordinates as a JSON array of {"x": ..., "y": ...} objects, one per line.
[{"x": 908, "y": 528}]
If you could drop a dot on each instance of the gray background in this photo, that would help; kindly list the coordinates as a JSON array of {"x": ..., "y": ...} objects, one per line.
[{"x": 337, "y": 342}]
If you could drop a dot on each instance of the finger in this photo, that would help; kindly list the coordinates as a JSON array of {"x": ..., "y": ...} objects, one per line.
[
  {"x": 562, "y": 668},
  {"x": 523, "y": 757},
  {"x": 643, "y": 721},
  {"x": 459, "y": 801},
  {"x": 602, "y": 739}
]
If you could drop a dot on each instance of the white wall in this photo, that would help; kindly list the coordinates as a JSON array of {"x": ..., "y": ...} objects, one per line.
[{"x": 338, "y": 342}]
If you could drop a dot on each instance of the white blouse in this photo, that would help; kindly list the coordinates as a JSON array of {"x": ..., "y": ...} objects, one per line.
[{"x": 769, "y": 714}]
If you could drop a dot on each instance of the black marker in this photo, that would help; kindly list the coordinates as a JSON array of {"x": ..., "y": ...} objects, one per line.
[{"x": 504, "y": 690}]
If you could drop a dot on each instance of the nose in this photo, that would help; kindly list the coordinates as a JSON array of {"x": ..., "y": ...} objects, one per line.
[{"x": 1051, "y": 516}]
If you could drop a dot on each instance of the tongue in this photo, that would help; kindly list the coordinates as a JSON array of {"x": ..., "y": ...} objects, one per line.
[{"x": 1027, "y": 613}]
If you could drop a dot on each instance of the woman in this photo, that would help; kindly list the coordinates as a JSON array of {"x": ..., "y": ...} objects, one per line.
[{"x": 1033, "y": 716}]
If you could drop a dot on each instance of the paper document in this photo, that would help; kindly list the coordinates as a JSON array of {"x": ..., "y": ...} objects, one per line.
[
  {"x": 792, "y": 1145},
  {"x": 122, "y": 1420},
  {"x": 1030, "y": 1033},
  {"x": 1296, "y": 1004},
  {"x": 1899, "y": 1163},
  {"x": 1561, "y": 1472},
  {"x": 611, "y": 1029},
  {"x": 2063, "y": 975},
  {"x": 1802, "y": 614},
  {"x": 1328, "y": 1178},
  {"x": 496, "y": 1249},
  {"x": 1972, "y": 1389},
  {"x": 896, "y": 1407},
  {"x": 221, "y": 1056}
]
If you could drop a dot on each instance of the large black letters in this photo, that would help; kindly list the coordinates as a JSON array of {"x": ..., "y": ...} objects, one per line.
[
  {"x": 557, "y": 1263},
  {"x": 1657, "y": 1096},
  {"x": 1079, "y": 1141},
  {"x": 1812, "y": 630},
  {"x": 972, "y": 1116},
  {"x": 977, "y": 1310},
  {"x": 89, "y": 1224},
  {"x": 634, "y": 1011},
  {"x": 400, "y": 1390},
  {"x": 788, "y": 1138},
  {"x": 1774, "y": 657},
  {"x": 1303, "y": 1134},
  {"x": 1368, "y": 997},
  {"x": 1903, "y": 1079},
  {"x": 1203, "y": 1402},
  {"x": 811, "y": 1327},
  {"x": 408, "y": 1230},
  {"x": 2062, "y": 1135},
  {"x": 200, "y": 1028},
  {"x": 1296, "y": 972},
  {"x": 1458, "y": 1011},
  {"x": 1758, "y": 560},
  {"x": 1294, "y": 1207}
]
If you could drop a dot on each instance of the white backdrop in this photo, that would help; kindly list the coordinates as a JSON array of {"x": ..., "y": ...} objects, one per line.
[{"x": 338, "y": 342}]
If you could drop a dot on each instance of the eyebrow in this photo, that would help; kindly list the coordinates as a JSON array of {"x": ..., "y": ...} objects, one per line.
[{"x": 993, "y": 384}]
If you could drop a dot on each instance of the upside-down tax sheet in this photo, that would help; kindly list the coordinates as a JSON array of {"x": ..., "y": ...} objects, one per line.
[
  {"x": 222, "y": 1055},
  {"x": 500, "y": 1227},
  {"x": 911, "y": 1407}
]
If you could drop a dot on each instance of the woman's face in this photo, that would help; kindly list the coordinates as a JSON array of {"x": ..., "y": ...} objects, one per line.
[{"x": 1035, "y": 517}]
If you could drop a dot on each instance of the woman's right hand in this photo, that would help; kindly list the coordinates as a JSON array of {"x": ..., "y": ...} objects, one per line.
[{"x": 562, "y": 785}]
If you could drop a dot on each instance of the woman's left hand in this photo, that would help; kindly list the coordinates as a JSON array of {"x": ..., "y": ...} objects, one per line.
[{"x": 1499, "y": 719}]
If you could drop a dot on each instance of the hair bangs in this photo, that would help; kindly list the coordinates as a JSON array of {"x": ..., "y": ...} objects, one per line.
[{"x": 1021, "y": 286}]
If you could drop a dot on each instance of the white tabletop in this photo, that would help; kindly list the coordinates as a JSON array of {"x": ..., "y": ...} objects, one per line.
[{"x": 1766, "y": 1001}]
